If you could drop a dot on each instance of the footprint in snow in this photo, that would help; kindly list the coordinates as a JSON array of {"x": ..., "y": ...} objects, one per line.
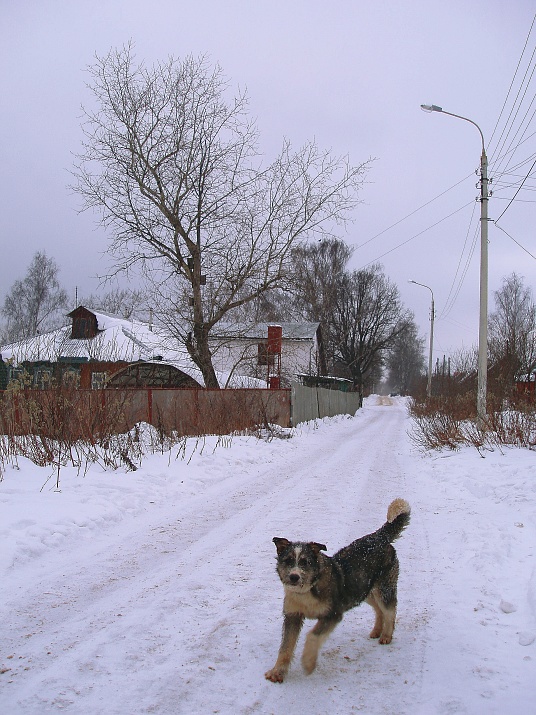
[{"x": 507, "y": 607}]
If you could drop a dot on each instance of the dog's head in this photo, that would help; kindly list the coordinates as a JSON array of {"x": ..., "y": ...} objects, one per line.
[{"x": 298, "y": 563}]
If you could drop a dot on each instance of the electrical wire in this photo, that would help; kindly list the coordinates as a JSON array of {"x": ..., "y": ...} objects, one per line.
[
  {"x": 414, "y": 212},
  {"x": 511, "y": 123},
  {"x": 516, "y": 193},
  {"x": 514, "y": 240},
  {"x": 412, "y": 238},
  {"x": 449, "y": 304},
  {"x": 513, "y": 79},
  {"x": 511, "y": 150}
]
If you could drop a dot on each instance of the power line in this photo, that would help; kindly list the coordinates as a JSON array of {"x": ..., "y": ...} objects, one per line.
[
  {"x": 514, "y": 240},
  {"x": 513, "y": 79},
  {"x": 395, "y": 248},
  {"x": 516, "y": 193},
  {"x": 508, "y": 123},
  {"x": 414, "y": 212},
  {"x": 449, "y": 303},
  {"x": 513, "y": 168}
]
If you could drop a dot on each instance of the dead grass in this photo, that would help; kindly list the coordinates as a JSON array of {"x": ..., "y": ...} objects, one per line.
[
  {"x": 63, "y": 425},
  {"x": 450, "y": 422}
]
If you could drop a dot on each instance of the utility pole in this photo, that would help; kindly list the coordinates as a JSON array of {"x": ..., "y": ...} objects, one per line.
[
  {"x": 482, "y": 380},
  {"x": 432, "y": 315},
  {"x": 482, "y": 385}
]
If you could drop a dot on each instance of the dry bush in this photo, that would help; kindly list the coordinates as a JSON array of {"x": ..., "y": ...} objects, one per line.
[
  {"x": 450, "y": 421},
  {"x": 63, "y": 425}
]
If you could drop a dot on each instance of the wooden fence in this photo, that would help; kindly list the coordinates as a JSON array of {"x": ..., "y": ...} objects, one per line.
[{"x": 74, "y": 413}]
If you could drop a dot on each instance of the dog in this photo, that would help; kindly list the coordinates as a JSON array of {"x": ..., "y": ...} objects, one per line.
[{"x": 325, "y": 587}]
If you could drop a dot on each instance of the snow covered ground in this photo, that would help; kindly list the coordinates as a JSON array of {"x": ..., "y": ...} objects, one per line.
[{"x": 155, "y": 591}]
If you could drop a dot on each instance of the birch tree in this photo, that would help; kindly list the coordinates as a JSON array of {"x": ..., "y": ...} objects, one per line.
[
  {"x": 512, "y": 329},
  {"x": 35, "y": 303},
  {"x": 171, "y": 160}
]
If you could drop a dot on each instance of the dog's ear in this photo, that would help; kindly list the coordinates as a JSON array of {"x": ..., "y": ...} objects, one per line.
[
  {"x": 317, "y": 547},
  {"x": 280, "y": 544}
]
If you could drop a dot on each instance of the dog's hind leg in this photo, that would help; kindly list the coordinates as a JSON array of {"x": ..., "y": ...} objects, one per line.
[
  {"x": 292, "y": 626},
  {"x": 378, "y": 623},
  {"x": 315, "y": 640},
  {"x": 383, "y": 601}
]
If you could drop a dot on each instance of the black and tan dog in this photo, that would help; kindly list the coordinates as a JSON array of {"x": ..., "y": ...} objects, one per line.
[{"x": 324, "y": 587}]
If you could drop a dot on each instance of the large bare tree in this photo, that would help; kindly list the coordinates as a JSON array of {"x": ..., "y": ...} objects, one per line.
[
  {"x": 171, "y": 160},
  {"x": 405, "y": 359},
  {"x": 319, "y": 267},
  {"x": 367, "y": 319},
  {"x": 35, "y": 303}
]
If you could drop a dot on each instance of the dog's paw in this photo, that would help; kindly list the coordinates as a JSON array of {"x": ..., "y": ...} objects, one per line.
[
  {"x": 385, "y": 639},
  {"x": 375, "y": 633},
  {"x": 276, "y": 675},
  {"x": 309, "y": 662}
]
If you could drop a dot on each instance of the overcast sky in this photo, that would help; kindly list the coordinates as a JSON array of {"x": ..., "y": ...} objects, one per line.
[{"x": 352, "y": 75}]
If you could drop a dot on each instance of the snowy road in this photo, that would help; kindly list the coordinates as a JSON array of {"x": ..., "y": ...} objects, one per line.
[{"x": 169, "y": 603}]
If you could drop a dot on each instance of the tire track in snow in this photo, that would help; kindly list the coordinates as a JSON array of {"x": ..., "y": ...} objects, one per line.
[{"x": 179, "y": 571}]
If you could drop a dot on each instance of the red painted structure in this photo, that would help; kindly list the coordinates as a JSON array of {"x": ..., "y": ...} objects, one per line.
[{"x": 275, "y": 341}]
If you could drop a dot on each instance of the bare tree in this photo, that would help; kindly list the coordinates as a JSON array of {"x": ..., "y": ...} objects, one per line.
[
  {"x": 172, "y": 162},
  {"x": 367, "y": 319},
  {"x": 122, "y": 302},
  {"x": 405, "y": 359},
  {"x": 464, "y": 364},
  {"x": 319, "y": 268},
  {"x": 512, "y": 326},
  {"x": 35, "y": 303}
]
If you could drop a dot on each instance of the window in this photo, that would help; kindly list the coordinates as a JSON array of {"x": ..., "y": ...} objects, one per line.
[
  {"x": 264, "y": 357},
  {"x": 42, "y": 378},
  {"x": 71, "y": 377},
  {"x": 97, "y": 380}
]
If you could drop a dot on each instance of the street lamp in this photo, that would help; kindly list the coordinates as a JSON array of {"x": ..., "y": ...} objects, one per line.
[
  {"x": 432, "y": 314},
  {"x": 483, "y": 321}
]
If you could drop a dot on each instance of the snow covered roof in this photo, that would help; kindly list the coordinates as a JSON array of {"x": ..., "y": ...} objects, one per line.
[{"x": 117, "y": 340}]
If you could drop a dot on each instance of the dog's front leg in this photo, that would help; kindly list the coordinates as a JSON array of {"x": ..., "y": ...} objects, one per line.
[
  {"x": 292, "y": 626},
  {"x": 315, "y": 640}
]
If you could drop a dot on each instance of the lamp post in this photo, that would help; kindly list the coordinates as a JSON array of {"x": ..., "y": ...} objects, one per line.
[
  {"x": 481, "y": 392},
  {"x": 432, "y": 314}
]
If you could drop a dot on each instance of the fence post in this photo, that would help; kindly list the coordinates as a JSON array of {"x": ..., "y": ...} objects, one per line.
[{"x": 150, "y": 406}]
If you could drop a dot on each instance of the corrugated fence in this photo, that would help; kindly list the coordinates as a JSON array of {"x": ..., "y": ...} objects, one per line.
[
  {"x": 311, "y": 403},
  {"x": 188, "y": 412}
]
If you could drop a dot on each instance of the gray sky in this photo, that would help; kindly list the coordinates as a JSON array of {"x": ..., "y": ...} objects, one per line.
[{"x": 351, "y": 74}]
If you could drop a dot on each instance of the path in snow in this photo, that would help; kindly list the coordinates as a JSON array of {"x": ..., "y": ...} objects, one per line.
[{"x": 178, "y": 608}]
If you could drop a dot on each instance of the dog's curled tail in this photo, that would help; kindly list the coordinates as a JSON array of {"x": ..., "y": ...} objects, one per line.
[{"x": 398, "y": 515}]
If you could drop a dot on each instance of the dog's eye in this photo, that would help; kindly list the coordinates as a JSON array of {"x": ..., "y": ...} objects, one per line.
[
  {"x": 288, "y": 561},
  {"x": 302, "y": 562}
]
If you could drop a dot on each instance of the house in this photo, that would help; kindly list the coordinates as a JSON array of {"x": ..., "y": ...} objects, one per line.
[
  {"x": 97, "y": 350},
  {"x": 525, "y": 386},
  {"x": 247, "y": 349},
  {"x": 95, "y": 346}
]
